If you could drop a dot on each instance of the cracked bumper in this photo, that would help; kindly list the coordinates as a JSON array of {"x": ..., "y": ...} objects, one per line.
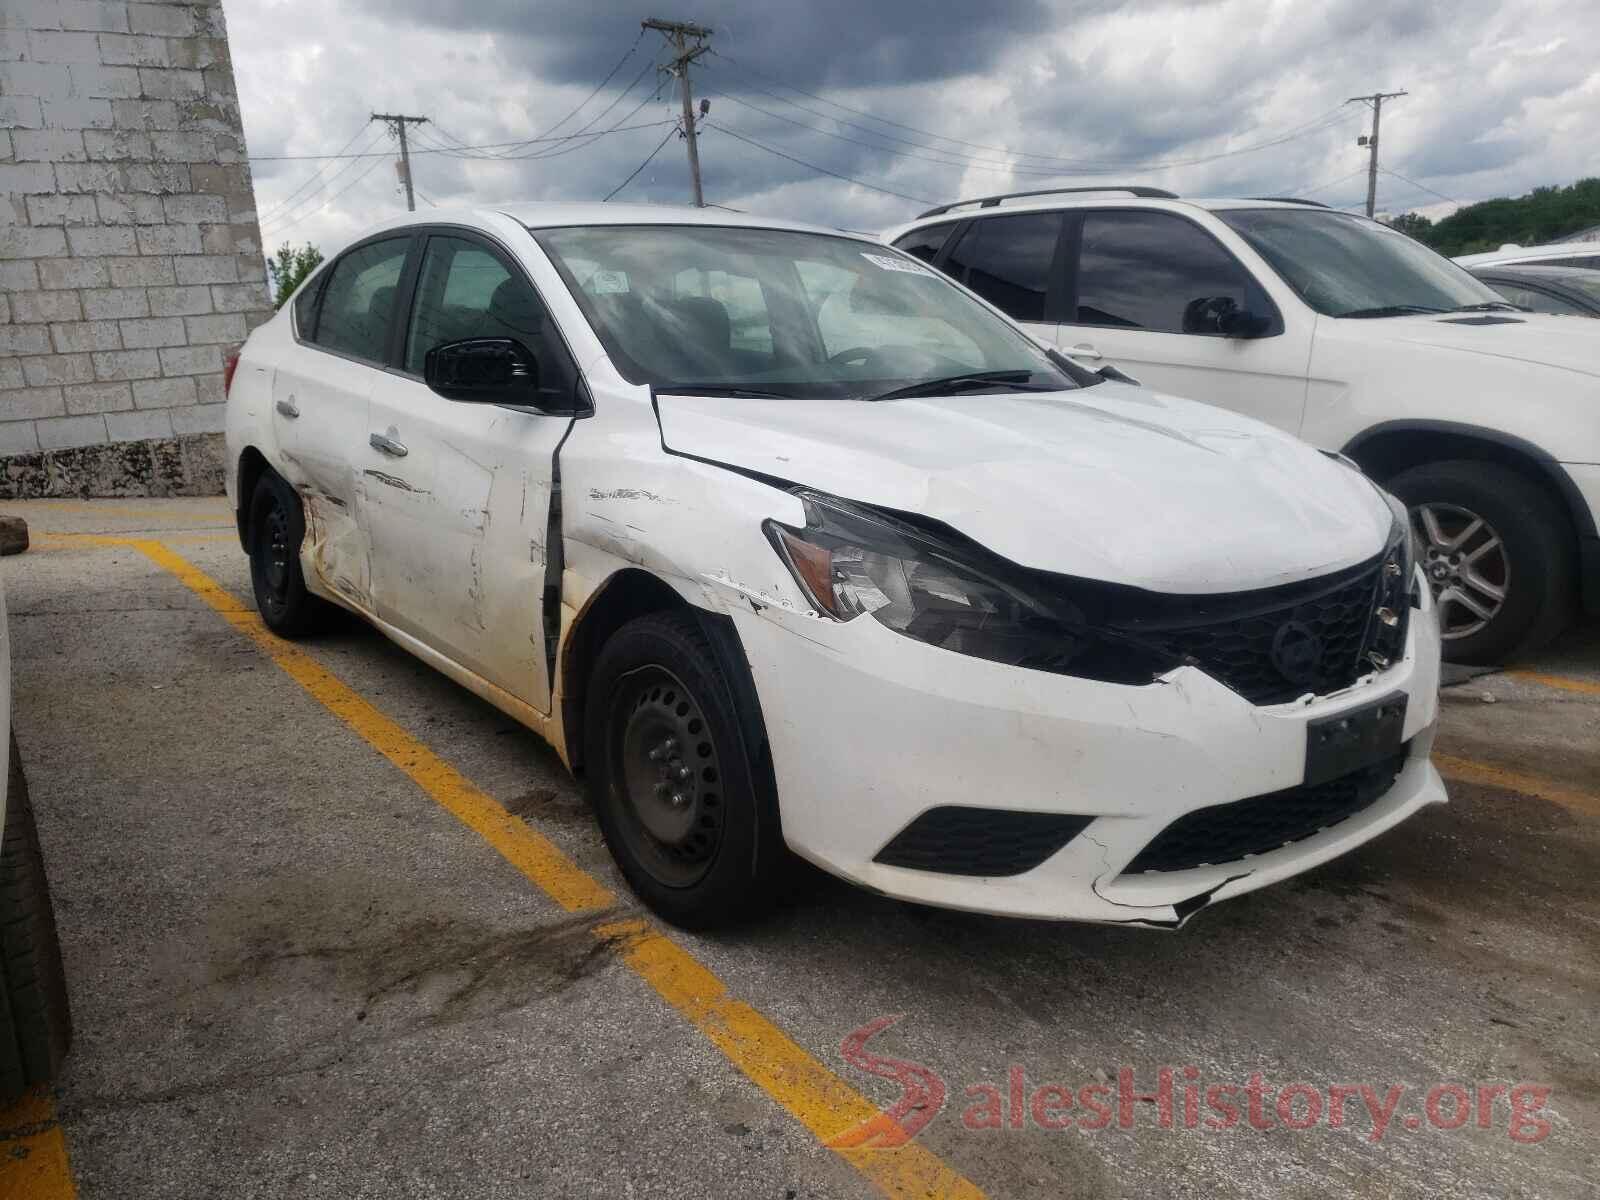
[{"x": 869, "y": 729}]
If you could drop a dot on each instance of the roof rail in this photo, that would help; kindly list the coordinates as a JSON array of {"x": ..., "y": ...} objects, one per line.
[
  {"x": 992, "y": 201},
  {"x": 1290, "y": 200}
]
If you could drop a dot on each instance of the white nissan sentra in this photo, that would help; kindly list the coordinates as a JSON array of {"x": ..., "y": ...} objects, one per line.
[{"x": 783, "y": 540}]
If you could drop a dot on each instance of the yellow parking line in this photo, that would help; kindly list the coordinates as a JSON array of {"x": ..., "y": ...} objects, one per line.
[
  {"x": 33, "y": 1151},
  {"x": 1566, "y": 683},
  {"x": 823, "y": 1102},
  {"x": 1467, "y": 770}
]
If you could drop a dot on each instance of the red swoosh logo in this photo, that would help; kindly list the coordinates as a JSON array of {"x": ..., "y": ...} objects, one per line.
[{"x": 921, "y": 1092}]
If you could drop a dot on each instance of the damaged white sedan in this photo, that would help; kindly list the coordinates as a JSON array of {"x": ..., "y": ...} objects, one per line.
[{"x": 786, "y": 542}]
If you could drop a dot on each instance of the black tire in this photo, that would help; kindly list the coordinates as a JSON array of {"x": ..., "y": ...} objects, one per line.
[
  {"x": 1538, "y": 577},
  {"x": 718, "y": 857},
  {"x": 277, "y": 530},
  {"x": 35, "y": 1020}
]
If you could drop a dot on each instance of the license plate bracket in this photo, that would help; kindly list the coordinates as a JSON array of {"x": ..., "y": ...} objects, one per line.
[{"x": 1348, "y": 741}]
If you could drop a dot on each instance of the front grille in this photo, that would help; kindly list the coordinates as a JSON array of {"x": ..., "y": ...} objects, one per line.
[
  {"x": 957, "y": 840},
  {"x": 1245, "y": 640},
  {"x": 1225, "y": 833}
]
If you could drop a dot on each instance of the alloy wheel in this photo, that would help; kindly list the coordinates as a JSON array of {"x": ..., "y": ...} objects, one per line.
[{"x": 1466, "y": 564}]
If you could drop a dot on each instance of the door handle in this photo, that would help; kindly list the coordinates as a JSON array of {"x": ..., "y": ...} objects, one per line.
[
  {"x": 287, "y": 408},
  {"x": 1084, "y": 350},
  {"x": 387, "y": 444}
]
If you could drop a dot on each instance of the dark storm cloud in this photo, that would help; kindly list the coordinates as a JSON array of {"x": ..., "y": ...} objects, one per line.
[{"x": 842, "y": 43}]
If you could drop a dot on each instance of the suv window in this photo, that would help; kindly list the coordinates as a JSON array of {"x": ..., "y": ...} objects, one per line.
[
  {"x": 359, "y": 300},
  {"x": 1539, "y": 301},
  {"x": 1577, "y": 260},
  {"x": 1144, "y": 270},
  {"x": 925, "y": 243},
  {"x": 464, "y": 290},
  {"x": 1007, "y": 261}
]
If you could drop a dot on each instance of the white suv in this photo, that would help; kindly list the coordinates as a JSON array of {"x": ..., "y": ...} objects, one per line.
[
  {"x": 1483, "y": 418},
  {"x": 782, "y": 538}
]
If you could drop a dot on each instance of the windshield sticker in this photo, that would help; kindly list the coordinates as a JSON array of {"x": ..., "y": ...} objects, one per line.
[
  {"x": 888, "y": 263},
  {"x": 608, "y": 283}
]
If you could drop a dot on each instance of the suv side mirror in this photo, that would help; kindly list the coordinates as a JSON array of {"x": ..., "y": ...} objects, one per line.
[
  {"x": 1221, "y": 316},
  {"x": 483, "y": 371}
]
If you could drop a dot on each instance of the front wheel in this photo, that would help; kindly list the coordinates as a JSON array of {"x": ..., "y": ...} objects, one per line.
[
  {"x": 1497, "y": 551},
  {"x": 677, "y": 772},
  {"x": 35, "y": 1021}
]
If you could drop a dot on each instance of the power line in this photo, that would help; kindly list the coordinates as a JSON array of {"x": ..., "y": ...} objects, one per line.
[
  {"x": 290, "y": 222},
  {"x": 569, "y": 137},
  {"x": 635, "y": 173},
  {"x": 1326, "y": 120},
  {"x": 814, "y": 167},
  {"x": 599, "y": 87},
  {"x": 295, "y": 196},
  {"x": 599, "y": 116},
  {"x": 1419, "y": 186}
]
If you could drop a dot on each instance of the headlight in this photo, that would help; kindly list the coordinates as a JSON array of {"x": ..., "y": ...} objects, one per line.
[
  {"x": 1405, "y": 532},
  {"x": 853, "y": 562}
]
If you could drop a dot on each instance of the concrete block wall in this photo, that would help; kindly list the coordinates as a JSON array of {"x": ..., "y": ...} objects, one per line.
[{"x": 130, "y": 255}]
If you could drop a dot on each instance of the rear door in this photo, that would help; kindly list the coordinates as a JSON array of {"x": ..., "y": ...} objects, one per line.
[
  {"x": 320, "y": 393},
  {"x": 1138, "y": 284},
  {"x": 1014, "y": 262},
  {"x": 458, "y": 494}
]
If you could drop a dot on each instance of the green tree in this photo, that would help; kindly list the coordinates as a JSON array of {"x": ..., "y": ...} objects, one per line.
[
  {"x": 1414, "y": 224},
  {"x": 1543, "y": 215},
  {"x": 289, "y": 267}
]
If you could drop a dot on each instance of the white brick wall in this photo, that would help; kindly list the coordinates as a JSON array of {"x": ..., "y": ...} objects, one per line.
[{"x": 130, "y": 257}]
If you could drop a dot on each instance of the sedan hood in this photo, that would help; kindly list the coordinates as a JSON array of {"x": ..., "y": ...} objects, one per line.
[{"x": 1112, "y": 482}]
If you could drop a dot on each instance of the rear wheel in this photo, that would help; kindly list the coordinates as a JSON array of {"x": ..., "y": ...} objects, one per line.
[
  {"x": 277, "y": 530},
  {"x": 35, "y": 1021},
  {"x": 1497, "y": 552},
  {"x": 677, "y": 772}
]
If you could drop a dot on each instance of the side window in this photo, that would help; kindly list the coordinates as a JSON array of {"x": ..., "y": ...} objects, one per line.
[
  {"x": 925, "y": 243},
  {"x": 1542, "y": 302},
  {"x": 1006, "y": 260},
  {"x": 465, "y": 291},
  {"x": 1577, "y": 260},
  {"x": 359, "y": 300},
  {"x": 305, "y": 306},
  {"x": 1147, "y": 270}
]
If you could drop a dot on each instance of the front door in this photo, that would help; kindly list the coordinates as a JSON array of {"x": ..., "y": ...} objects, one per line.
[
  {"x": 458, "y": 494},
  {"x": 1139, "y": 283}
]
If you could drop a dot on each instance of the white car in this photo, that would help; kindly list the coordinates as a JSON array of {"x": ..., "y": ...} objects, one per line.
[
  {"x": 1343, "y": 331},
  {"x": 35, "y": 1016},
  {"x": 782, "y": 539},
  {"x": 1555, "y": 254}
]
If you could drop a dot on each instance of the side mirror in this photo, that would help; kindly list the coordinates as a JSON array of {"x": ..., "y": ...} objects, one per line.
[
  {"x": 1221, "y": 316},
  {"x": 483, "y": 371}
]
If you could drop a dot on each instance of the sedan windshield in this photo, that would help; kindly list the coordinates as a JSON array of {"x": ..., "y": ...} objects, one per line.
[
  {"x": 1347, "y": 266},
  {"x": 732, "y": 311}
]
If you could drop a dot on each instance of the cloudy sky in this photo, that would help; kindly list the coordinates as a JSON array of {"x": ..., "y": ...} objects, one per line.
[{"x": 926, "y": 100}]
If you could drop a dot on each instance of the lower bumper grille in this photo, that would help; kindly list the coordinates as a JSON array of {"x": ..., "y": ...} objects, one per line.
[
  {"x": 957, "y": 840},
  {"x": 1225, "y": 833}
]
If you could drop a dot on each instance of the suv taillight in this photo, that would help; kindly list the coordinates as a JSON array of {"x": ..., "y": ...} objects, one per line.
[{"x": 229, "y": 366}]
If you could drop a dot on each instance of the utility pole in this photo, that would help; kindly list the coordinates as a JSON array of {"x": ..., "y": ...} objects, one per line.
[
  {"x": 397, "y": 124},
  {"x": 1375, "y": 101},
  {"x": 678, "y": 34}
]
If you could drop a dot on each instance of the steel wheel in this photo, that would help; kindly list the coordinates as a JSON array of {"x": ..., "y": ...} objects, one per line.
[
  {"x": 1466, "y": 564},
  {"x": 665, "y": 762},
  {"x": 275, "y": 551}
]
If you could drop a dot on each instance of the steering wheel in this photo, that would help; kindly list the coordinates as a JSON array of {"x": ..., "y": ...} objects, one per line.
[{"x": 867, "y": 356}]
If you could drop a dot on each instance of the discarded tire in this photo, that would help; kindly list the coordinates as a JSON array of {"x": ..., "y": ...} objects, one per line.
[{"x": 13, "y": 535}]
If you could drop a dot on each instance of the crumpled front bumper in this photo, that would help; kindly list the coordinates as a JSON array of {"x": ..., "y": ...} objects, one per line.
[{"x": 869, "y": 729}]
